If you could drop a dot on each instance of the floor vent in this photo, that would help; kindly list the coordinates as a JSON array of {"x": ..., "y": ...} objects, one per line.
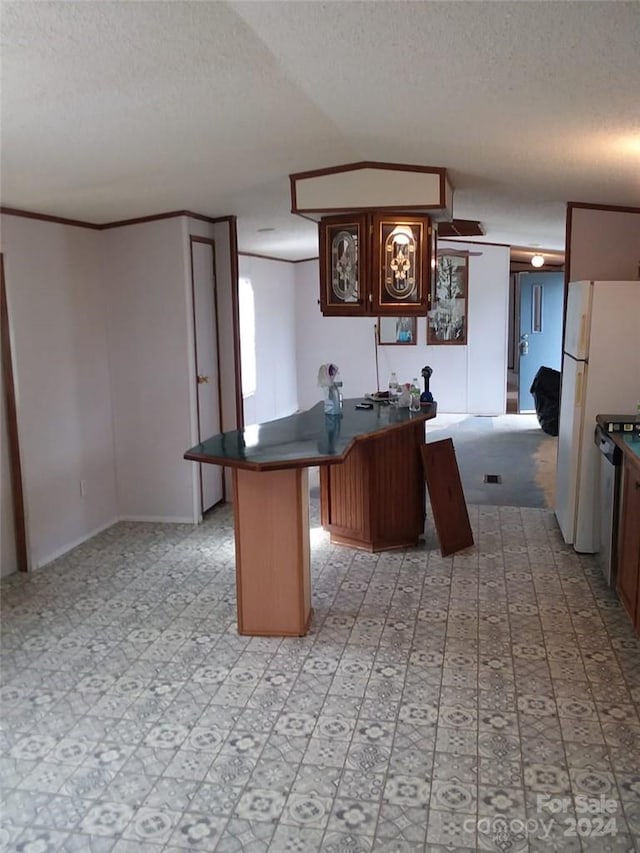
[{"x": 492, "y": 478}]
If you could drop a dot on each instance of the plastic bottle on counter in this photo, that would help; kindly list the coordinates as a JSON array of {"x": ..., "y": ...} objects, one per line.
[
  {"x": 393, "y": 385},
  {"x": 335, "y": 394},
  {"x": 414, "y": 401}
]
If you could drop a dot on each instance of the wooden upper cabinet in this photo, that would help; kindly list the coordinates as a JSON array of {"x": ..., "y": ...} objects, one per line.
[
  {"x": 344, "y": 262},
  {"x": 375, "y": 264},
  {"x": 401, "y": 264}
]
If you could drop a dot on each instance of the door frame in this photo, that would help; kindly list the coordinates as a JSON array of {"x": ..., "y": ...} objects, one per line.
[
  {"x": 512, "y": 372},
  {"x": 210, "y": 242},
  {"x": 542, "y": 276},
  {"x": 15, "y": 465}
]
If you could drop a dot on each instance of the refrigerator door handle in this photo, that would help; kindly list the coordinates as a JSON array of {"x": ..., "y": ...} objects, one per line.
[
  {"x": 578, "y": 393},
  {"x": 582, "y": 337}
]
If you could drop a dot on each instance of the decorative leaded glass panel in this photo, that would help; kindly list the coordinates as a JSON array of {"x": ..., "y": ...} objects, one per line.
[{"x": 342, "y": 263}]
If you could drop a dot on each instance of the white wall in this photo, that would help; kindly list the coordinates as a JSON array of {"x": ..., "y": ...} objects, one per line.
[
  {"x": 468, "y": 378},
  {"x": 274, "y": 288},
  {"x": 487, "y": 351},
  {"x": 148, "y": 297},
  {"x": 62, "y": 382}
]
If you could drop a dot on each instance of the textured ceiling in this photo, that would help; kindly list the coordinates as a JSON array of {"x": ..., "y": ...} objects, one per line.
[{"x": 112, "y": 110}]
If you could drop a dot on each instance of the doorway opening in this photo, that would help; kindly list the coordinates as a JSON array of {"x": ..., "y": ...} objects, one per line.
[{"x": 536, "y": 304}]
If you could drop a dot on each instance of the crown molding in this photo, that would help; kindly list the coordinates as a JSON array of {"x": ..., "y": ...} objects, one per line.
[{"x": 103, "y": 226}]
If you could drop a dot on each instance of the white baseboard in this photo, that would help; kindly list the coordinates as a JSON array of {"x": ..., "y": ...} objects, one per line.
[
  {"x": 70, "y": 545},
  {"x": 158, "y": 519},
  {"x": 155, "y": 519}
]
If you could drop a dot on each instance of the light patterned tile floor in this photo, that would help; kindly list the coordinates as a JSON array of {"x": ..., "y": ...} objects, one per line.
[{"x": 487, "y": 701}]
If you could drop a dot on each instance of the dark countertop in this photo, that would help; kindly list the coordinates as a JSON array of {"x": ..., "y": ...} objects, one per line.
[
  {"x": 304, "y": 439},
  {"x": 623, "y": 439}
]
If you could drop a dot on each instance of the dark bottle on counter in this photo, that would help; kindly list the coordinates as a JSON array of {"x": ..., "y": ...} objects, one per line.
[{"x": 426, "y": 396}]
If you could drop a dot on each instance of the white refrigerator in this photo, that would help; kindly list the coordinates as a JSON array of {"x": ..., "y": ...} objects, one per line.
[{"x": 600, "y": 375}]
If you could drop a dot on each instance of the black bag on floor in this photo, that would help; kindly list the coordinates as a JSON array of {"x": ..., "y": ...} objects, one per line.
[{"x": 546, "y": 394}]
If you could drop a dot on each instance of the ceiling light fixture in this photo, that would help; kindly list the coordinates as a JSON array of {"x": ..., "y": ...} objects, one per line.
[{"x": 537, "y": 261}]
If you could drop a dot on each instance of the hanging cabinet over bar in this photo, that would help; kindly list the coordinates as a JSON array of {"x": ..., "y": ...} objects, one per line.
[{"x": 375, "y": 264}]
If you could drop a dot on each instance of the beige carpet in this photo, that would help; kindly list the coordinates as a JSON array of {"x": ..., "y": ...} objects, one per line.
[{"x": 545, "y": 462}]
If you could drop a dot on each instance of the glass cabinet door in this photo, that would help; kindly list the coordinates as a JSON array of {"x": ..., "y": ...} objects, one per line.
[
  {"x": 401, "y": 264},
  {"x": 343, "y": 265}
]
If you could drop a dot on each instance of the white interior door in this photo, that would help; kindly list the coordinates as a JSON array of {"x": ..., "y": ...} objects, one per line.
[{"x": 207, "y": 363}]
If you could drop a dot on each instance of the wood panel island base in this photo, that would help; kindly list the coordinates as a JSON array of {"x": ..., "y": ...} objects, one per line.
[
  {"x": 273, "y": 580},
  {"x": 375, "y": 500},
  {"x": 373, "y": 497}
]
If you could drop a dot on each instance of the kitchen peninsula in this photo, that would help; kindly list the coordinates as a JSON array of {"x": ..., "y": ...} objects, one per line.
[{"x": 372, "y": 497}]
